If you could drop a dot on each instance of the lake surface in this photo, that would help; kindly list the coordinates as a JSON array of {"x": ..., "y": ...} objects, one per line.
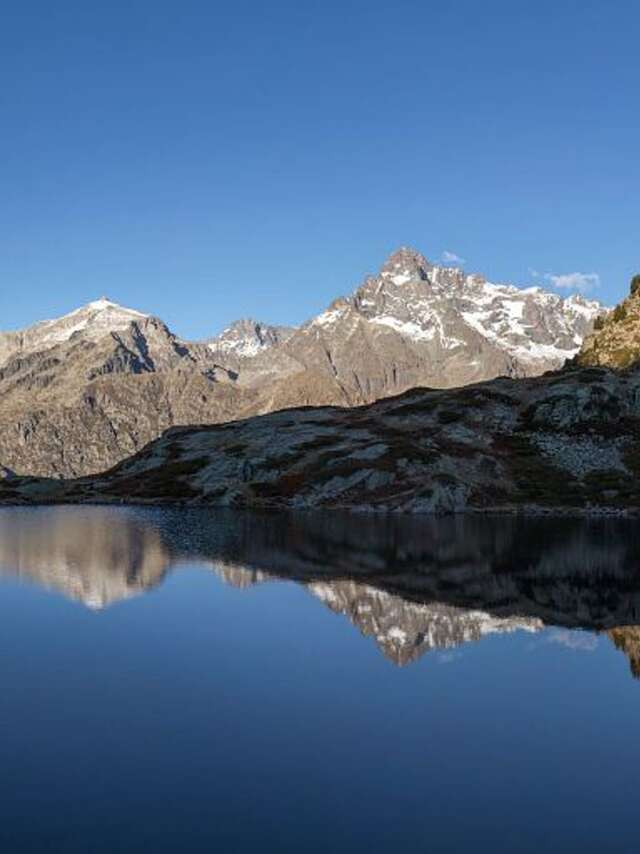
[{"x": 196, "y": 680}]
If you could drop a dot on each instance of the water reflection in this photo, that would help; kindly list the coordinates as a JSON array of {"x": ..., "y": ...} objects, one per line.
[{"x": 411, "y": 584}]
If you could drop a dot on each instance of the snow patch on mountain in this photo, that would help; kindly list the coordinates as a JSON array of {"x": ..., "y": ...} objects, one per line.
[
  {"x": 247, "y": 338},
  {"x": 93, "y": 320},
  {"x": 424, "y": 302},
  {"x": 405, "y": 327}
]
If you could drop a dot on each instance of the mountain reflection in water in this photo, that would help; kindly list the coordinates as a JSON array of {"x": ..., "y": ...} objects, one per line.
[{"x": 411, "y": 584}]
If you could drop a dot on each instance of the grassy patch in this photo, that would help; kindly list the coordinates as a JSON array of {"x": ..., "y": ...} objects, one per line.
[
  {"x": 284, "y": 488},
  {"x": 536, "y": 480},
  {"x": 164, "y": 482},
  {"x": 237, "y": 450},
  {"x": 448, "y": 416},
  {"x": 416, "y": 407}
]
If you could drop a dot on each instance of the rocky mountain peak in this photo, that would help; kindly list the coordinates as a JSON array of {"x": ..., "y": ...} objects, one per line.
[
  {"x": 103, "y": 304},
  {"x": 248, "y": 337},
  {"x": 93, "y": 320},
  {"x": 405, "y": 265}
]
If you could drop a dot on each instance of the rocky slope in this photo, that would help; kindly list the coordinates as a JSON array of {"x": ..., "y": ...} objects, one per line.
[
  {"x": 615, "y": 341},
  {"x": 569, "y": 440},
  {"x": 82, "y": 392}
]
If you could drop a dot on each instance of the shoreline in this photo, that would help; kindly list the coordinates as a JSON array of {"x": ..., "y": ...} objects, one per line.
[{"x": 530, "y": 511}]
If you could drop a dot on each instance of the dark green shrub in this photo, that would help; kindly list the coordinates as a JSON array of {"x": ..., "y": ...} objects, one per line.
[
  {"x": 619, "y": 313},
  {"x": 635, "y": 285}
]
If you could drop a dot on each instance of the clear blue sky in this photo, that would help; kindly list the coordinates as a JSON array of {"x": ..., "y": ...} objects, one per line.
[{"x": 209, "y": 160}]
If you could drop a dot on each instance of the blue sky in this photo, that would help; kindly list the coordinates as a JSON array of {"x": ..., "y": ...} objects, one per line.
[{"x": 209, "y": 160}]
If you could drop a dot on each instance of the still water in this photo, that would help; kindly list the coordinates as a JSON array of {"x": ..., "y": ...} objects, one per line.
[{"x": 219, "y": 681}]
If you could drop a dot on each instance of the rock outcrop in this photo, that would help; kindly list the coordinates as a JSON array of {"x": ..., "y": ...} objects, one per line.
[{"x": 615, "y": 342}]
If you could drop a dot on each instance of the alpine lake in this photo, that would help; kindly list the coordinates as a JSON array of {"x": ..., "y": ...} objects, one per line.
[{"x": 214, "y": 680}]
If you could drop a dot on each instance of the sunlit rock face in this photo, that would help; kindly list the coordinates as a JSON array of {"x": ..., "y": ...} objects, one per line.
[
  {"x": 615, "y": 343},
  {"x": 82, "y": 391},
  {"x": 412, "y": 587}
]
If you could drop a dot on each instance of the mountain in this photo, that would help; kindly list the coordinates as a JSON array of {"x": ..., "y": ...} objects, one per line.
[
  {"x": 92, "y": 321},
  {"x": 417, "y": 324},
  {"x": 565, "y": 441},
  {"x": 247, "y": 338},
  {"x": 84, "y": 391}
]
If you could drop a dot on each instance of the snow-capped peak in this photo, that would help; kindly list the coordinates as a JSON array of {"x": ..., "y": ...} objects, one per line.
[
  {"x": 105, "y": 304},
  {"x": 93, "y": 320},
  {"x": 96, "y": 318},
  {"x": 248, "y": 337},
  {"x": 404, "y": 265},
  {"x": 442, "y": 309}
]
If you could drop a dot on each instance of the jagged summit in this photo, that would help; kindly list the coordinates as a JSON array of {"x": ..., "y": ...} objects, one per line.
[
  {"x": 406, "y": 264},
  {"x": 461, "y": 326},
  {"x": 248, "y": 337}
]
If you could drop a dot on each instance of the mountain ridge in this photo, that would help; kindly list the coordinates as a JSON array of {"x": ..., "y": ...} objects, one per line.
[
  {"x": 568, "y": 441},
  {"x": 84, "y": 391}
]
